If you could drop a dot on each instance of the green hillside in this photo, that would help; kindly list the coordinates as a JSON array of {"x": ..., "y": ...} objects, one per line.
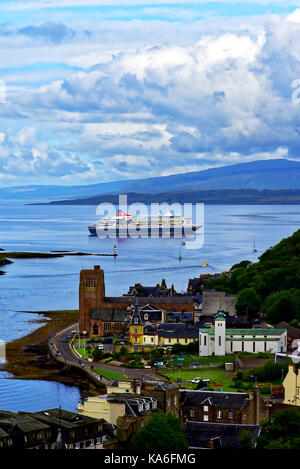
[{"x": 271, "y": 285}]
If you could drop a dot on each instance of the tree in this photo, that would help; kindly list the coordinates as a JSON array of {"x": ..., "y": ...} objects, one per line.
[
  {"x": 248, "y": 302},
  {"x": 162, "y": 432},
  {"x": 281, "y": 431},
  {"x": 246, "y": 440}
]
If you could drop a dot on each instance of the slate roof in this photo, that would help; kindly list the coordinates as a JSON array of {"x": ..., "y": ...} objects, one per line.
[
  {"x": 186, "y": 316},
  {"x": 24, "y": 421},
  {"x": 159, "y": 385},
  {"x": 198, "y": 434},
  {"x": 63, "y": 418},
  {"x": 108, "y": 315},
  {"x": 292, "y": 331},
  {"x": 175, "y": 299},
  {"x": 174, "y": 330},
  {"x": 218, "y": 399}
]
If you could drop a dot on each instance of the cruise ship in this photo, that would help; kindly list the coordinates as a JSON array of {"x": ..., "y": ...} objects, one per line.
[{"x": 124, "y": 225}]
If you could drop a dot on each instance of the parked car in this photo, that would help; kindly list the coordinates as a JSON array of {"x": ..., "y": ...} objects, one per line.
[
  {"x": 100, "y": 346},
  {"x": 178, "y": 365},
  {"x": 197, "y": 380},
  {"x": 195, "y": 364}
]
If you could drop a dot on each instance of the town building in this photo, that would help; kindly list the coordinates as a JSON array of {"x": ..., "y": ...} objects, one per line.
[
  {"x": 221, "y": 406},
  {"x": 291, "y": 385},
  {"x": 159, "y": 290},
  {"x": 102, "y": 315},
  {"x": 213, "y": 300},
  {"x": 220, "y": 341},
  {"x": 293, "y": 334},
  {"x": 53, "y": 429},
  {"x": 204, "y": 435}
]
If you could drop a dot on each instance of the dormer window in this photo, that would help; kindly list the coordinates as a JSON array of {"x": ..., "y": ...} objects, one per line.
[{"x": 136, "y": 320}]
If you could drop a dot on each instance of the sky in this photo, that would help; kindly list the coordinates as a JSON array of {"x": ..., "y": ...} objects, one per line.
[{"x": 104, "y": 90}]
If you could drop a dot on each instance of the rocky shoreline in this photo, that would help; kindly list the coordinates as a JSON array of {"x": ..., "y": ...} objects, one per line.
[{"x": 29, "y": 356}]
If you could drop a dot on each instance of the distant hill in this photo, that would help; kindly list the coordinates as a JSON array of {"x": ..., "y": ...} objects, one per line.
[
  {"x": 216, "y": 197},
  {"x": 259, "y": 175}
]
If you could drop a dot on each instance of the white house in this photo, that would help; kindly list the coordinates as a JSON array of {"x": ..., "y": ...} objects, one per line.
[{"x": 220, "y": 341}]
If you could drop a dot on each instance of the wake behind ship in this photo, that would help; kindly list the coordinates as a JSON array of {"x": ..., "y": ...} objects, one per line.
[{"x": 124, "y": 225}]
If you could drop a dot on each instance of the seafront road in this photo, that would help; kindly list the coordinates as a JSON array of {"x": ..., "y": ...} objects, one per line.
[{"x": 62, "y": 350}]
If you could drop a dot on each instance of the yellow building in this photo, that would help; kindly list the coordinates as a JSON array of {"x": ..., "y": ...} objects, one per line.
[
  {"x": 291, "y": 385},
  {"x": 136, "y": 327}
]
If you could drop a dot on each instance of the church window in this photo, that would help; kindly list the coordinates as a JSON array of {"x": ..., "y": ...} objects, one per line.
[{"x": 95, "y": 329}]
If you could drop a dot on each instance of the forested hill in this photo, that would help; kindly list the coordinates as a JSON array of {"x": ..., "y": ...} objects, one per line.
[{"x": 271, "y": 285}]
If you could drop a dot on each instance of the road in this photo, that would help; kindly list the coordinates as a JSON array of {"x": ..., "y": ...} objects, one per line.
[{"x": 61, "y": 348}]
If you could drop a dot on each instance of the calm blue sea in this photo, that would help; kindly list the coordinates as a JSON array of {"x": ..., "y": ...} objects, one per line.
[{"x": 49, "y": 284}]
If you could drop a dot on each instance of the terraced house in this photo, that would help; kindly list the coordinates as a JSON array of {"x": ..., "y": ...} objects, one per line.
[{"x": 221, "y": 407}]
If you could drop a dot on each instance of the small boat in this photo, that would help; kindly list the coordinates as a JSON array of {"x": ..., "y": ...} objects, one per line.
[
  {"x": 182, "y": 243},
  {"x": 254, "y": 248},
  {"x": 204, "y": 263},
  {"x": 179, "y": 258}
]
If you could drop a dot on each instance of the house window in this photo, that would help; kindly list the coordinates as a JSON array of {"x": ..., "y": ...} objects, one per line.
[
  {"x": 219, "y": 340},
  {"x": 135, "y": 339},
  {"x": 185, "y": 341},
  {"x": 242, "y": 346},
  {"x": 177, "y": 341},
  {"x": 231, "y": 346},
  {"x": 107, "y": 326},
  {"x": 192, "y": 413},
  {"x": 230, "y": 415},
  {"x": 135, "y": 331},
  {"x": 265, "y": 346},
  {"x": 136, "y": 320},
  {"x": 205, "y": 340},
  {"x": 205, "y": 418},
  {"x": 253, "y": 346},
  {"x": 152, "y": 339},
  {"x": 219, "y": 414},
  {"x": 205, "y": 408},
  {"x": 169, "y": 341}
]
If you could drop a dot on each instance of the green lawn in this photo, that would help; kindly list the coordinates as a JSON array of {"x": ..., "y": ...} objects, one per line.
[
  {"x": 82, "y": 351},
  {"x": 216, "y": 376},
  {"x": 110, "y": 374}
]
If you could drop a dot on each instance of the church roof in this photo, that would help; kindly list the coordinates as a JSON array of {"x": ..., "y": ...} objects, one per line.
[{"x": 108, "y": 314}]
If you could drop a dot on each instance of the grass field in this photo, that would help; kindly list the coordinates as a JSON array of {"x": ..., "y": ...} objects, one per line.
[
  {"x": 110, "y": 374},
  {"x": 216, "y": 376}
]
